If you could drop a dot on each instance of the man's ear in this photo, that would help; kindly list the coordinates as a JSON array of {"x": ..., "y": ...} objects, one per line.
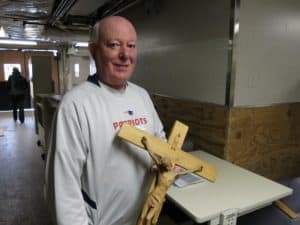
[{"x": 92, "y": 48}]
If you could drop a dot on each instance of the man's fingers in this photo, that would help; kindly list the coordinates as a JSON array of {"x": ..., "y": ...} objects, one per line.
[
  {"x": 154, "y": 168},
  {"x": 144, "y": 142}
]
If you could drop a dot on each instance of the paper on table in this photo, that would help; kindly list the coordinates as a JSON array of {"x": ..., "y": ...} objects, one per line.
[{"x": 187, "y": 179}]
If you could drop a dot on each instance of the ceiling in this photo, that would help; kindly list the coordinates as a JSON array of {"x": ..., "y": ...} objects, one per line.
[{"x": 55, "y": 21}]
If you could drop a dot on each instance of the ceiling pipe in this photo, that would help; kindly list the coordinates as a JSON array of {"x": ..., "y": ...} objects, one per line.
[
  {"x": 62, "y": 9},
  {"x": 126, "y": 7},
  {"x": 113, "y": 8}
]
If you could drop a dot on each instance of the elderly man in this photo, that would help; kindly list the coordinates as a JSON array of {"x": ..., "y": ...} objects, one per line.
[{"x": 93, "y": 178}]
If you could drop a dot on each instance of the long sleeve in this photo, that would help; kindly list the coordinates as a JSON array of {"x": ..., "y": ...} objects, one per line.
[
  {"x": 92, "y": 177},
  {"x": 158, "y": 126},
  {"x": 65, "y": 162},
  {"x": 9, "y": 84}
]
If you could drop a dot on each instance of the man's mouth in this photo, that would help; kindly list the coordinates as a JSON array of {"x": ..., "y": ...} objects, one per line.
[{"x": 122, "y": 65}]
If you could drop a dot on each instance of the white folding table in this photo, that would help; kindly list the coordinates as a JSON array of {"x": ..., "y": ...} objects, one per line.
[{"x": 235, "y": 188}]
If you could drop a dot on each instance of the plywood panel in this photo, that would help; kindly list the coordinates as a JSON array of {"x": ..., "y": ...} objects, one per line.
[
  {"x": 23, "y": 59},
  {"x": 207, "y": 122},
  {"x": 265, "y": 140},
  {"x": 12, "y": 57}
]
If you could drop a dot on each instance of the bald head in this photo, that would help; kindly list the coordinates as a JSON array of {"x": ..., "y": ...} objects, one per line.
[
  {"x": 108, "y": 23},
  {"x": 113, "y": 47}
]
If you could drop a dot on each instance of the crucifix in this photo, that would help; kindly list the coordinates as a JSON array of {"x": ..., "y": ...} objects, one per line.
[{"x": 166, "y": 155}]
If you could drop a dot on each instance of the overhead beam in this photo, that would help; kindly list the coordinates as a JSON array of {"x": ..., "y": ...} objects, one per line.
[{"x": 62, "y": 8}]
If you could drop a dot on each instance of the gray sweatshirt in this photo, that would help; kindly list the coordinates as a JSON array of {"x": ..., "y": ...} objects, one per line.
[{"x": 92, "y": 176}]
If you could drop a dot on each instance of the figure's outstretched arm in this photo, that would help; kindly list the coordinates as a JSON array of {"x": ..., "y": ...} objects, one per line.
[
  {"x": 146, "y": 144},
  {"x": 200, "y": 168}
]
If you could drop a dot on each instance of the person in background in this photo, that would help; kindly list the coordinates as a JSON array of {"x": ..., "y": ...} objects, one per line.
[
  {"x": 17, "y": 87},
  {"x": 93, "y": 177}
]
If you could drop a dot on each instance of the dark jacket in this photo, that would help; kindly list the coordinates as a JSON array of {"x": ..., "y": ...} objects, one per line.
[{"x": 17, "y": 84}]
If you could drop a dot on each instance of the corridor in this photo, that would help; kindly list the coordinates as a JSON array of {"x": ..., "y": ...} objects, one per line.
[
  {"x": 21, "y": 174},
  {"x": 22, "y": 177}
]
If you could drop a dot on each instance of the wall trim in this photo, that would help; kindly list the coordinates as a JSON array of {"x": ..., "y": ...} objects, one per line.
[{"x": 233, "y": 36}]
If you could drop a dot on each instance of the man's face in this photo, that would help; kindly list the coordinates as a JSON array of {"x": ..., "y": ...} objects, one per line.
[{"x": 115, "y": 53}]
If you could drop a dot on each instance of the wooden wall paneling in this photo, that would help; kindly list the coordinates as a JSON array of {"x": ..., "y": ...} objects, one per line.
[
  {"x": 207, "y": 122},
  {"x": 265, "y": 140},
  {"x": 23, "y": 59},
  {"x": 294, "y": 114},
  {"x": 11, "y": 57},
  {"x": 54, "y": 67}
]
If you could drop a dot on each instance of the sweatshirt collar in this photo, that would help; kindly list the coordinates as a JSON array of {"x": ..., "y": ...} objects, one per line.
[{"x": 93, "y": 79}]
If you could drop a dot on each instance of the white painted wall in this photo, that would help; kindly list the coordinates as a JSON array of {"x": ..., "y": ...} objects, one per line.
[
  {"x": 268, "y": 53},
  {"x": 84, "y": 68},
  {"x": 79, "y": 56},
  {"x": 183, "y": 48}
]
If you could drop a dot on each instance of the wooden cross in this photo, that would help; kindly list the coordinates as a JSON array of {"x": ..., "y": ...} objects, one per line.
[
  {"x": 166, "y": 156},
  {"x": 171, "y": 148}
]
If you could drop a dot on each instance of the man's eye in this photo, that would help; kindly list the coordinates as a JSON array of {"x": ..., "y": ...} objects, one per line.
[
  {"x": 131, "y": 45},
  {"x": 113, "y": 45}
]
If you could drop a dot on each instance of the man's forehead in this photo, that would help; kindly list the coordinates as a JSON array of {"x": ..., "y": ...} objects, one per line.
[
  {"x": 116, "y": 27},
  {"x": 113, "y": 20}
]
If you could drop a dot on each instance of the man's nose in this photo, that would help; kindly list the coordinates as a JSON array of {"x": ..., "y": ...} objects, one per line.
[{"x": 124, "y": 55}]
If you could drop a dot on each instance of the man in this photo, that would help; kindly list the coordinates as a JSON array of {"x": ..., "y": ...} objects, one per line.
[
  {"x": 17, "y": 87},
  {"x": 92, "y": 177}
]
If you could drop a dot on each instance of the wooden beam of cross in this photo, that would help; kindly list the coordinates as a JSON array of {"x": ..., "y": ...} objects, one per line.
[{"x": 171, "y": 148}]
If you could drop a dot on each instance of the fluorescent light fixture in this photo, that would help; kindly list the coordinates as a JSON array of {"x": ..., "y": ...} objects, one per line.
[
  {"x": 17, "y": 42},
  {"x": 81, "y": 44},
  {"x": 3, "y": 34},
  {"x": 236, "y": 28},
  {"x": 12, "y": 49},
  {"x": 40, "y": 50}
]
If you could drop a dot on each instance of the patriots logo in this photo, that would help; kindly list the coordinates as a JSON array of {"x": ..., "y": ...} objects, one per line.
[{"x": 129, "y": 112}]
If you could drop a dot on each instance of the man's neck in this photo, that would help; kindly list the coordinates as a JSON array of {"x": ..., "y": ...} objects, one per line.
[{"x": 120, "y": 87}]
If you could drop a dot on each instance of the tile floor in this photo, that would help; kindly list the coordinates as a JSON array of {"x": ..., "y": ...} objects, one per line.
[{"x": 22, "y": 175}]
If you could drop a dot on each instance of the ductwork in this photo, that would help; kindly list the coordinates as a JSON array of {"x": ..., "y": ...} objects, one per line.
[
  {"x": 61, "y": 10},
  {"x": 13, "y": 13},
  {"x": 53, "y": 20}
]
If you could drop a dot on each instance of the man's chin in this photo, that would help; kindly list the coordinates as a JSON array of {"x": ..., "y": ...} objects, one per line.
[
  {"x": 118, "y": 83},
  {"x": 122, "y": 77}
]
